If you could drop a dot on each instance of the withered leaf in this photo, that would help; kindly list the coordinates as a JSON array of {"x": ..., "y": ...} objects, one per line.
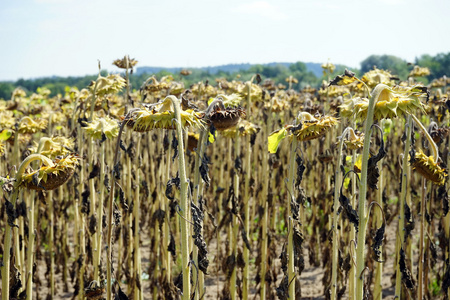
[
  {"x": 446, "y": 277},
  {"x": 373, "y": 173},
  {"x": 300, "y": 170},
  {"x": 172, "y": 184},
  {"x": 204, "y": 169},
  {"x": 407, "y": 278},
  {"x": 95, "y": 171},
  {"x": 120, "y": 295},
  {"x": 350, "y": 213},
  {"x": 377, "y": 242},
  {"x": 174, "y": 146},
  {"x": 197, "y": 217}
]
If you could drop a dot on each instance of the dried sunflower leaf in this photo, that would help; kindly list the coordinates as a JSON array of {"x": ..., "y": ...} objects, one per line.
[{"x": 377, "y": 242}]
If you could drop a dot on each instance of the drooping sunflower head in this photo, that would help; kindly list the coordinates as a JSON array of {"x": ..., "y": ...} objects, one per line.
[
  {"x": 101, "y": 128},
  {"x": 223, "y": 117},
  {"x": 428, "y": 168},
  {"x": 53, "y": 147},
  {"x": 160, "y": 115},
  {"x": 125, "y": 63},
  {"x": 7, "y": 119},
  {"x": 377, "y": 76},
  {"x": 28, "y": 125},
  {"x": 51, "y": 177},
  {"x": 244, "y": 127},
  {"x": 311, "y": 127},
  {"x": 111, "y": 84},
  {"x": 419, "y": 72},
  {"x": 354, "y": 140},
  {"x": 328, "y": 68},
  {"x": 392, "y": 102}
]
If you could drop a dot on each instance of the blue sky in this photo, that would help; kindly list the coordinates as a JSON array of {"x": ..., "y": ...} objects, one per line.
[{"x": 67, "y": 37}]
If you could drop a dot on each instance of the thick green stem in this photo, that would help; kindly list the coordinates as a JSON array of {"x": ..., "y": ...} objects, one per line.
[
  {"x": 360, "y": 250},
  {"x": 401, "y": 218}
]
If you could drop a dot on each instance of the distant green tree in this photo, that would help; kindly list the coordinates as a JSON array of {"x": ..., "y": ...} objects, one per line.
[
  {"x": 391, "y": 63},
  {"x": 439, "y": 65},
  {"x": 6, "y": 89}
]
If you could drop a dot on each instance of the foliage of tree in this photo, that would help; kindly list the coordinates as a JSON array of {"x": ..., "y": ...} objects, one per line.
[
  {"x": 439, "y": 66},
  {"x": 391, "y": 63}
]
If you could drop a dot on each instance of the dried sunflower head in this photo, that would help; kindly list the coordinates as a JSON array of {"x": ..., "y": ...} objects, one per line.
[
  {"x": 53, "y": 147},
  {"x": 328, "y": 67},
  {"x": 51, "y": 177},
  {"x": 223, "y": 117},
  {"x": 419, "y": 72},
  {"x": 185, "y": 72},
  {"x": 100, "y": 128},
  {"x": 309, "y": 128},
  {"x": 354, "y": 140},
  {"x": 125, "y": 63},
  {"x": 377, "y": 76},
  {"x": 392, "y": 102},
  {"x": 245, "y": 128},
  {"x": 18, "y": 93},
  {"x": 255, "y": 91},
  {"x": 291, "y": 79},
  {"x": 28, "y": 125},
  {"x": 7, "y": 119},
  {"x": 312, "y": 128},
  {"x": 160, "y": 115},
  {"x": 108, "y": 85},
  {"x": 428, "y": 168}
]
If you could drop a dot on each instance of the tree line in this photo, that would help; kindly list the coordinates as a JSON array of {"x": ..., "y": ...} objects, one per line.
[{"x": 439, "y": 66}]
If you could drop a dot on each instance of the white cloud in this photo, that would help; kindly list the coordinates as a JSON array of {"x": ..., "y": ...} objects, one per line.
[{"x": 262, "y": 9}]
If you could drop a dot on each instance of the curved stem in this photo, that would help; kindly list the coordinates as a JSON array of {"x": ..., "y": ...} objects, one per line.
[
  {"x": 360, "y": 253},
  {"x": 434, "y": 148}
]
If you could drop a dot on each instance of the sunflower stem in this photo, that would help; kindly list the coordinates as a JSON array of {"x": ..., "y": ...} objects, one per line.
[
  {"x": 360, "y": 250},
  {"x": 5, "y": 269},
  {"x": 290, "y": 254},
  {"x": 184, "y": 205},
  {"x": 401, "y": 219}
]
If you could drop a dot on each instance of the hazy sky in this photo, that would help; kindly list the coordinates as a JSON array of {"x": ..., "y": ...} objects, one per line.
[{"x": 67, "y": 37}]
